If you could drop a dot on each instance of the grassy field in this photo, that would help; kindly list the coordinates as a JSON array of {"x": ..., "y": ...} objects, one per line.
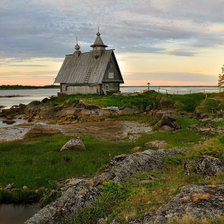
[{"x": 38, "y": 164}]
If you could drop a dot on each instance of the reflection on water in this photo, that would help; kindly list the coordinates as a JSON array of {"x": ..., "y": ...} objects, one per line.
[{"x": 16, "y": 214}]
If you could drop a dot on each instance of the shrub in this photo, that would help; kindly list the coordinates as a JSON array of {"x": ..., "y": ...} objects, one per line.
[{"x": 211, "y": 147}]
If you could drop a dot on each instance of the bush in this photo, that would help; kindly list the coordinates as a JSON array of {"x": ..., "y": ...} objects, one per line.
[{"x": 211, "y": 147}]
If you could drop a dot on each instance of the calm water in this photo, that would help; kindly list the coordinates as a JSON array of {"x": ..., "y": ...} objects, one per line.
[
  {"x": 26, "y": 96},
  {"x": 16, "y": 214}
]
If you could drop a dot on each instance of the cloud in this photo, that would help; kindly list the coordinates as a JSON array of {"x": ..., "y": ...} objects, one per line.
[
  {"x": 47, "y": 28},
  {"x": 171, "y": 76}
]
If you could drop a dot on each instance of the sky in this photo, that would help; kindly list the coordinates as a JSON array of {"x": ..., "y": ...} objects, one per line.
[{"x": 164, "y": 42}]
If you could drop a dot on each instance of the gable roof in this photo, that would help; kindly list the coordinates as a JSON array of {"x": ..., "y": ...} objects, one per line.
[{"x": 83, "y": 69}]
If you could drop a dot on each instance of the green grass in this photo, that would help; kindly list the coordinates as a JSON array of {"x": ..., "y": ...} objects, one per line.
[
  {"x": 40, "y": 164},
  {"x": 136, "y": 117},
  {"x": 186, "y": 122},
  {"x": 182, "y": 138},
  {"x": 143, "y": 100},
  {"x": 211, "y": 105},
  {"x": 188, "y": 102}
]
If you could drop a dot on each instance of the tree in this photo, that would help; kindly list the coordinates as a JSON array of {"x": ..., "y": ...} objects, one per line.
[{"x": 221, "y": 79}]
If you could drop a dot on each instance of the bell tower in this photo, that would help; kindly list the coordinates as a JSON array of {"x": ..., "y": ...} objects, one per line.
[{"x": 98, "y": 46}]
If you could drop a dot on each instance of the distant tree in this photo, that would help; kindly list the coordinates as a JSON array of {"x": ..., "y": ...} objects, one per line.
[{"x": 221, "y": 79}]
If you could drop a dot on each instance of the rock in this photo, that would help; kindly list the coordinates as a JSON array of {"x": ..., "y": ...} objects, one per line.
[
  {"x": 35, "y": 103},
  {"x": 166, "y": 128},
  {"x": 82, "y": 193},
  {"x": 13, "y": 111},
  {"x": 45, "y": 100},
  {"x": 165, "y": 104},
  {"x": 197, "y": 201},
  {"x": 74, "y": 144},
  {"x": 72, "y": 200},
  {"x": 123, "y": 166},
  {"x": 136, "y": 149},
  {"x": 201, "y": 115},
  {"x": 39, "y": 130},
  {"x": 8, "y": 121},
  {"x": 9, "y": 187},
  {"x": 156, "y": 144},
  {"x": 168, "y": 120},
  {"x": 209, "y": 166},
  {"x": 204, "y": 130}
]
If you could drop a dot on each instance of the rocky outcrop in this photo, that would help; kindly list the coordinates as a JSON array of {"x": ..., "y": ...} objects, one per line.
[
  {"x": 82, "y": 193},
  {"x": 197, "y": 201},
  {"x": 39, "y": 130},
  {"x": 71, "y": 201},
  {"x": 209, "y": 166},
  {"x": 123, "y": 166},
  {"x": 74, "y": 144},
  {"x": 13, "y": 111}
]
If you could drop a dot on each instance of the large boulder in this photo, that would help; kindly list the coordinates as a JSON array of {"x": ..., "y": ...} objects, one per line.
[
  {"x": 74, "y": 144},
  {"x": 196, "y": 201}
]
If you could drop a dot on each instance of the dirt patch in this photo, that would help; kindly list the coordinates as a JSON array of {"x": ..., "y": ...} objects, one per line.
[{"x": 109, "y": 130}]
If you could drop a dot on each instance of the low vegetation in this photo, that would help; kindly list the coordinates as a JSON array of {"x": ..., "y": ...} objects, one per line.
[{"x": 143, "y": 192}]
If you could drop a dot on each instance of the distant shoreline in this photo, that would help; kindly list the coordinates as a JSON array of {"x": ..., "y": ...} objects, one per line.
[
  {"x": 18, "y": 87},
  {"x": 15, "y": 87}
]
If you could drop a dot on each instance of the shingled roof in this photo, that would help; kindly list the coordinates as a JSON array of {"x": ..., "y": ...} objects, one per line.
[{"x": 83, "y": 69}]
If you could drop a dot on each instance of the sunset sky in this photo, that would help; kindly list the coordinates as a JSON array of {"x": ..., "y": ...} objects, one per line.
[{"x": 164, "y": 42}]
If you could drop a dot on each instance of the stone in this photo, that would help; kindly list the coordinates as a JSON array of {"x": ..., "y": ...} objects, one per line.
[
  {"x": 209, "y": 166},
  {"x": 166, "y": 128},
  {"x": 156, "y": 144},
  {"x": 204, "y": 130},
  {"x": 197, "y": 201},
  {"x": 74, "y": 144},
  {"x": 168, "y": 120},
  {"x": 136, "y": 149},
  {"x": 8, "y": 121},
  {"x": 9, "y": 187},
  {"x": 166, "y": 104}
]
